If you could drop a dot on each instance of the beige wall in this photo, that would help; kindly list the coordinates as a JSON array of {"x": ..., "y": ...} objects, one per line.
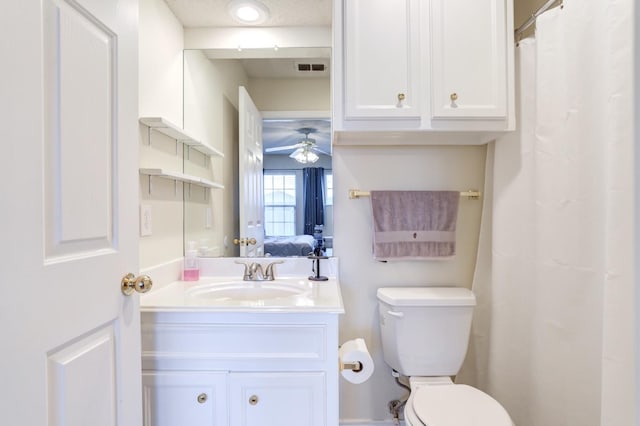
[
  {"x": 303, "y": 94},
  {"x": 160, "y": 95},
  {"x": 211, "y": 112},
  {"x": 400, "y": 168}
]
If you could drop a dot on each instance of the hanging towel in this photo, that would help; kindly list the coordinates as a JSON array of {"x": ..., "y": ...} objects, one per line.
[{"x": 414, "y": 224}]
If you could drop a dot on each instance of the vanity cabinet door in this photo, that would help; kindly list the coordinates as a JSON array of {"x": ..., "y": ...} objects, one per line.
[
  {"x": 468, "y": 59},
  {"x": 381, "y": 59},
  {"x": 277, "y": 399},
  {"x": 184, "y": 398}
]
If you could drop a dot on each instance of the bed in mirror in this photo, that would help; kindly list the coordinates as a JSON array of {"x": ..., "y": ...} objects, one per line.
[{"x": 276, "y": 170}]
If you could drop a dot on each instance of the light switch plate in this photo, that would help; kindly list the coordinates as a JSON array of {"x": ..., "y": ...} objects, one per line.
[
  {"x": 145, "y": 220},
  {"x": 208, "y": 218}
]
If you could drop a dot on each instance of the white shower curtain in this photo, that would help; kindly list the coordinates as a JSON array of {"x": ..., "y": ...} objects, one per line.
[{"x": 553, "y": 329}]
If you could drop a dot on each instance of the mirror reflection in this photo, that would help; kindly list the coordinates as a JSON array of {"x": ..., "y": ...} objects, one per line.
[{"x": 276, "y": 169}]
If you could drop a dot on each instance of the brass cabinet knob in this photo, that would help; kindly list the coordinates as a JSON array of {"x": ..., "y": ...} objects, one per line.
[
  {"x": 202, "y": 398},
  {"x": 130, "y": 284},
  {"x": 253, "y": 399},
  {"x": 401, "y": 97},
  {"x": 454, "y": 97}
]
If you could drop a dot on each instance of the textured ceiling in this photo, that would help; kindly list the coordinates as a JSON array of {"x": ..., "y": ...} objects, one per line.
[{"x": 283, "y": 13}]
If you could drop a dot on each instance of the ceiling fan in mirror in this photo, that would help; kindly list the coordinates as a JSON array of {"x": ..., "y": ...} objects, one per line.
[{"x": 306, "y": 151}]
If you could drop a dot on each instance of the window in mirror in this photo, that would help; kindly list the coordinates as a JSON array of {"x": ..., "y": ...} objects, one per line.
[
  {"x": 328, "y": 186},
  {"x": 280, "y": 203}
]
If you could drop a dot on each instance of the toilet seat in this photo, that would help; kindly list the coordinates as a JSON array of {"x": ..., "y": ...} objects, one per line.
[{"x": 457, "y": 405}]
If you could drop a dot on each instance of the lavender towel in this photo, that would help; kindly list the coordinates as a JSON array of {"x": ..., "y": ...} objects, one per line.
[{"x": 414, "y": 224}]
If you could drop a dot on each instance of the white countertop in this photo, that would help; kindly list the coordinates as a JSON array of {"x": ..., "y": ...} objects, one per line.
[
  {"x": 314, "y": 297},
  {"x": 170, "y": 295}
]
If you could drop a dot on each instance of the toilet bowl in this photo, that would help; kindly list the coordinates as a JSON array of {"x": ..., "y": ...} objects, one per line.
[
  {"x": 439, "y": 402},
  {"x": 425, "y": 334}
]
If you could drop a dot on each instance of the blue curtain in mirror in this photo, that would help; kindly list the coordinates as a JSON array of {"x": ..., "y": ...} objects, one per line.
[{"x": 313, "y": 182}]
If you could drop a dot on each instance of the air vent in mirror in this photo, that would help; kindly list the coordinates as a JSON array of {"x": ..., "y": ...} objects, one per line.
[{"x": 311, "y": 67}]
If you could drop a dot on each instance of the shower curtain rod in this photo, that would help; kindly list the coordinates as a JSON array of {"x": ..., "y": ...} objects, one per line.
[
  {"x": 535, "y": 15},
  {"x": 471, "y": 194}
]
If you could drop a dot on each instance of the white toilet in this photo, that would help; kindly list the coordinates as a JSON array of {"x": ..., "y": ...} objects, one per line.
[{"x": 425, "y": 333}]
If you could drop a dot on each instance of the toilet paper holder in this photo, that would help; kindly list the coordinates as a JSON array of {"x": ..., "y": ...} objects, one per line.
[{"x": 354, "y": 366}]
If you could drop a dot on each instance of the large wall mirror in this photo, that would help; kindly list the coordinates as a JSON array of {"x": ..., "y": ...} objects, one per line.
[{"x": 281, "y": 196}]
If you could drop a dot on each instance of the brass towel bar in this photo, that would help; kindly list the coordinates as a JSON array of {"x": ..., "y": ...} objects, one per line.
[{"x": 471, "y": 194}]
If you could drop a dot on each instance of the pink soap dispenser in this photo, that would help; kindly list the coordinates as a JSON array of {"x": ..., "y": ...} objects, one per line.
[{"x": 191, "y": 269}]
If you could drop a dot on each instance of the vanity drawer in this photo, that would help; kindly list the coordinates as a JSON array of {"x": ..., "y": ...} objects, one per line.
[{"x": 255, "y": 347}]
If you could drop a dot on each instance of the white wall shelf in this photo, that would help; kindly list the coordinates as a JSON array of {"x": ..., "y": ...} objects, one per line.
[
  {"x": 181, "y": 177},
  {"x": 166, "y": 127}
]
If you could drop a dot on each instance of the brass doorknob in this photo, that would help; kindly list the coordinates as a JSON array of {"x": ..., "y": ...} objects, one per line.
[
  {"x": 130, "y": 284},
  {"x": 244, "y": 241}
]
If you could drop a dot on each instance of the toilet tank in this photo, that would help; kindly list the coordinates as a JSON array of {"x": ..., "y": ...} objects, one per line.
[{"x": 425, "y": 330}]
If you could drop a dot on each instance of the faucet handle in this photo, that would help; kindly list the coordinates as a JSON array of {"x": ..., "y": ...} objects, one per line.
[
  {"x": 269, "y": 273},
  {"x": 248, "y": 272}
]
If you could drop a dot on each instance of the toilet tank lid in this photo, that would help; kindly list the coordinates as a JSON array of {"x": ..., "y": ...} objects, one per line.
[{"x": 426, "y": 296}]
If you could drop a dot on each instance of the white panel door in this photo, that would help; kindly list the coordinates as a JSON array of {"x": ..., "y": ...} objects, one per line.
[
  {"x": 277, "y": 399},
  {"x": 469, "y": 59},
  {"x": 250, "y": 176},
  {"x": 68, "y": 179},
  {"x": 381, "y": 59}
]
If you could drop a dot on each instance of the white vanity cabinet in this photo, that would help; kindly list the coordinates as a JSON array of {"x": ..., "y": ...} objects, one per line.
[
  {"x": 240, "y": 368},
  {"x": 426, "y": 66}
]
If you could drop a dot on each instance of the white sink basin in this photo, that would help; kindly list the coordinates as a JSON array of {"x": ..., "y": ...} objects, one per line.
[{"x": 248, "y": 290}]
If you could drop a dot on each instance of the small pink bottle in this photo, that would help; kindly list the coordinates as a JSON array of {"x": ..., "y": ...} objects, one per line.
[{"x": 191, "y": 269}]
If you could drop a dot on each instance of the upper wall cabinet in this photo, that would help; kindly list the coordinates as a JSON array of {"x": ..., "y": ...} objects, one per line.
[
  {"x": 382, "y": 59},
  {"x": 430, "y": 71}
]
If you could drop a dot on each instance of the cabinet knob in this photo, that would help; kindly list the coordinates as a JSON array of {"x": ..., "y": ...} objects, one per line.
[
  {"x": 401, "y": 97},
  {"x": 454, "y": 97},
  {"x": 202, "y": 398},
  {"x": 253, "y": 399}
]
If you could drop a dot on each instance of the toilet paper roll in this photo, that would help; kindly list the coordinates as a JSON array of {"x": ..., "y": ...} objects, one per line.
[{"x": 356, "y": 351}]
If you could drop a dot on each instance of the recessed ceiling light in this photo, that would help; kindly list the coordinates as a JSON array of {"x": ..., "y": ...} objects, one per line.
[{"x": 250, "y": 12}]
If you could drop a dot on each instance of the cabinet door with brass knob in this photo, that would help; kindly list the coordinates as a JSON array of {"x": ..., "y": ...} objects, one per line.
[
  {"x": 184, "y": 398},
  {"x": 382, "y": 59},
  {"x": 277, "y": 399},
  {"x": 469, "y": 47}
]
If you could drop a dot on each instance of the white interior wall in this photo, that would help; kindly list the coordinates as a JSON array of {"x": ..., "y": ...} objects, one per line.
[
  {"x": 401, "y": 168},
  {"x": 211, "y": 112},
  {"x": 160, "y": 95}
]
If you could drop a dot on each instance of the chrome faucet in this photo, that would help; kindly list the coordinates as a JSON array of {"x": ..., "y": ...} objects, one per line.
[{"x": 253, "y": 271}]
